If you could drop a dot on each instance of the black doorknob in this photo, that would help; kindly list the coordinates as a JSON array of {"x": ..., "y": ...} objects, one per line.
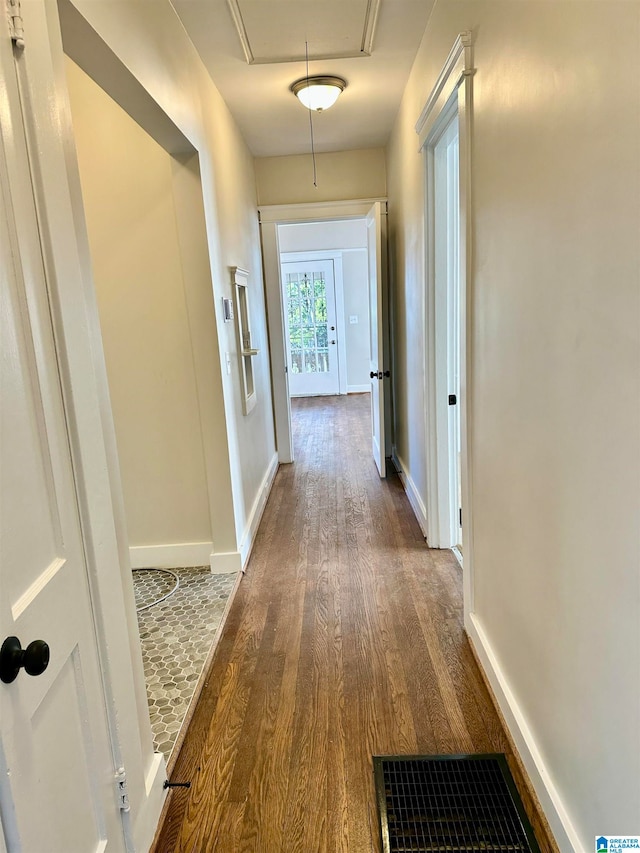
[
  {"x": 373, "y": 374},
  {"x": 34, "y": 659}
]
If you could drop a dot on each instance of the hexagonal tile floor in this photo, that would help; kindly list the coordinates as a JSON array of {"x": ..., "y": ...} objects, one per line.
[{"x": 176, "y": 636}]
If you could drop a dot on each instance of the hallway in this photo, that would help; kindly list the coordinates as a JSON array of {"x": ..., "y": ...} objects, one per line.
[{"x": 345, "y": 640}]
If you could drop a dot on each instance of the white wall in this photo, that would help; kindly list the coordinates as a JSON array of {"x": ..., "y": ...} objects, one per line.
[
  {"x": 340, "y": 175},
  {"x": 348, "y": 238},
  {"x": 315, "y": 236},
  {"x": 151, "y": 44},
  {"x": 555, "y": 390}
]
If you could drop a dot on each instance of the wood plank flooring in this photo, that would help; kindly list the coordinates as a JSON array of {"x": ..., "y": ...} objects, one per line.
[{"x": 344, "y": 640}]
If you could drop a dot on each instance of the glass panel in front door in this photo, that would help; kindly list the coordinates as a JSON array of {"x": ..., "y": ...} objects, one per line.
[{"x": 308, "y": 335}]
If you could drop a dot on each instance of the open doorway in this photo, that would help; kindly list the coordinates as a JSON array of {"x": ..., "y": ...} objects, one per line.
[
  {"x": 146, "y": 233},
  {"x": 340, "y": 254},
  {"x": 443, "y": 354},
  {"x": 445, "y": 334},
  {"x": 323, "y": 269},
  {"x": 446, "y": 224}
]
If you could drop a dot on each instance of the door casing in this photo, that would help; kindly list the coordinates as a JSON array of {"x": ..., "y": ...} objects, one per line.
[
  {"x": 271, "y": 216},
  {"x": 451, "y": 95}
]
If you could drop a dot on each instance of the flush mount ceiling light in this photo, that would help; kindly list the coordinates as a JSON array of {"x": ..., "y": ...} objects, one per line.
[{"x": 318, "y": 93}]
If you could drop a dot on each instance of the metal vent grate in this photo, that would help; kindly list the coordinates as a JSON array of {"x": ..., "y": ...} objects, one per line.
[{"x": 454, "y": 803}]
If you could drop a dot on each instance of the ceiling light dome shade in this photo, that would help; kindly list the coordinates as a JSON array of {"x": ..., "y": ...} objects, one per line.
[{"x": 318, "y": 93}]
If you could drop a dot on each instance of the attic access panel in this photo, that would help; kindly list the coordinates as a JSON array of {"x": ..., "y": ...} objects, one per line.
[
  {"x": 333, "y": 28},
  {"x": 460, "y": 803}
]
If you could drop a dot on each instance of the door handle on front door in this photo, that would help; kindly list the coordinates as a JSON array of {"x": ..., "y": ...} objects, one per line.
[{"x": 34, "y": 659}]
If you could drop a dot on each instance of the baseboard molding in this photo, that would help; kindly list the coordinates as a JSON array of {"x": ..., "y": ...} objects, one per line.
[
  {"x": 226, "y": 563},
  {"x": 178, "y": 556},
  {"x": 257, "y": 510},
  {"x": 550, "y": 800},
  {"x": 358, "y": 389},
  {"x": 416, "y": 502}
]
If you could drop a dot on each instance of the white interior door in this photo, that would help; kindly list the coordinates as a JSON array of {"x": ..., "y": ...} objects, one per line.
[
  {"x": 376, "y": 250},
  {"x": 311, "y": 328},
  {"x": 57, "y": 784}
]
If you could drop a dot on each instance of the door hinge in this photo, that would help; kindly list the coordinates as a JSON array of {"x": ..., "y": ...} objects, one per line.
[
  {"x": 122, "y": 790},
  {"x": 460, "y": 516},
  {"x": 16, "y": 26}
]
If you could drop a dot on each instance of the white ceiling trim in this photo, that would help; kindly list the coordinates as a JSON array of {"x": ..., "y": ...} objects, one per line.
[
  {"x": 370, "y": 24},
  {"x": 366, "y": 44},
  {"x": 238, "y": 23}
]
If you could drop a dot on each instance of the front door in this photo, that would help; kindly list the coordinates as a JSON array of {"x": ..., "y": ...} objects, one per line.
[
  {"x": 57, "y": 776},
  {"x": 311, "y": 332}
]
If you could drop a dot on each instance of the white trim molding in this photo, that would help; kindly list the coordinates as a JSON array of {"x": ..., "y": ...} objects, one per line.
[
  {"x": 554, "y": 809},
  {"x": 452, "y": 94},
  {"x": 226, "y": 563},
  {"x": 359, "y": 389},
  {"x": 271, "y": 216},
  {"x": 178, "y": 555},
  {"x": 257, "y": 511},
  {"x": 459, "y": 64},
  {"x": 416, "y": 502},
  {"x": 183, "y": 555}
]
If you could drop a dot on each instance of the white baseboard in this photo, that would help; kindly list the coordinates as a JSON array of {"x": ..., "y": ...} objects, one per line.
[
  {"x": 178, "y": 556},
  {"x": 148, "y": 815},
  {"x": 257, "y": 510},
  {"x": 358, "y": 389},
  {"x": 417, "y": 504},
  {"x": 563, "y": 830},
  {"x": 226, "y": 563}
]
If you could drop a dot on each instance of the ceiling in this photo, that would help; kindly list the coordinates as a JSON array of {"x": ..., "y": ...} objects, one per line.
[{"x": 255, "y": 49}]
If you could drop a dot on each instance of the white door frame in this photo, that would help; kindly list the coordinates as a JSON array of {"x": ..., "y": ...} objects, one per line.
[
  {"x": 336, "y": 258},
  {"x": 442, "y": 510},
  {"x": 451, "y": 95},
  {"x": 271, "y": 216},
  {"x": 83, "y": 377}
]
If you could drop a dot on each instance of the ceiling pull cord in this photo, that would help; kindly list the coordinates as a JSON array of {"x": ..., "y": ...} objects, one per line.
[{"x": 313, "y": 150}]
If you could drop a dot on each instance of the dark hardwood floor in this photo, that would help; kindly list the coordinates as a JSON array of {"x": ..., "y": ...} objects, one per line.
[{"x": 344, "y": 640}]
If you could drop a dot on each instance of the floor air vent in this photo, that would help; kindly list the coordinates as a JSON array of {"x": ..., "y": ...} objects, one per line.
[{"x": 454, "y": 803}]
